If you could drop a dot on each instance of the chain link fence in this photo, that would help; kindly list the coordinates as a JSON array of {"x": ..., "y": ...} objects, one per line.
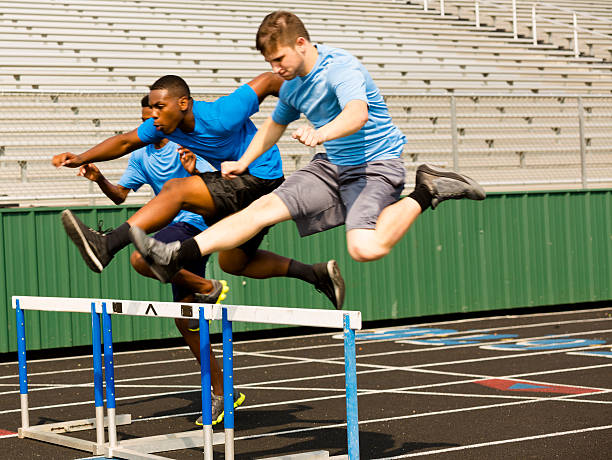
[{"x": 506, "y": 142}]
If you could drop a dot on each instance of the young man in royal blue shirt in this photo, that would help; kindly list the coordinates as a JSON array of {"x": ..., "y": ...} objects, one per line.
[
  {"x": 357, "y": 181},
  {"x": 154, "y": 165},
  {"x": 217, "y": 131}
]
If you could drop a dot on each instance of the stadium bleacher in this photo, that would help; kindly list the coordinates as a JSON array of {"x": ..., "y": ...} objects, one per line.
[{"x": 72, "y": 74}]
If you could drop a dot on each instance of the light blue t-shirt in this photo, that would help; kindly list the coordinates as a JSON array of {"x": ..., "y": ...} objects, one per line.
[
  {"x": 155, "y": 167},
  {"x": 222, "y": 132},
  {"x": 337, "y": 78}
]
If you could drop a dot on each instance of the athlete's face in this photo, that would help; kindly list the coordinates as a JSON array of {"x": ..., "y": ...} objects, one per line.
[
  {"x": 167, "y": 110},
  {"x": 287, "y": 61},
  {"x": 147, "y": 112}
]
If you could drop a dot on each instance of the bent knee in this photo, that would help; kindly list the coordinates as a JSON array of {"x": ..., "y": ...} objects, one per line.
[
  {"x": 138, "y": 262},
  {"x": 363, "y": 253},
  {"x": 233, "y": 261}
]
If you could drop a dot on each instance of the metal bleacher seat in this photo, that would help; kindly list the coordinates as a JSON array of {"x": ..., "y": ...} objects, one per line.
[{"x": 72, "y": 74}]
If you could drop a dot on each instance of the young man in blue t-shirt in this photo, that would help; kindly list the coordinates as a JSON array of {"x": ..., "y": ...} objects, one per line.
[
  {"x": 155, "y": 164},
  {"x": 357, "y": 181},
  {"x": 217, "y": 131}
]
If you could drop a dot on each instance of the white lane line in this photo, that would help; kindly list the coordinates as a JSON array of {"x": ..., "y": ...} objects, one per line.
[
  {"x": 53, "y": 386},
  {"x": 389, "y": 419},
  {"x": 63, "y": 358},
  {"x": 427, "y": 336},
  {"x": 503, "y": 441},
  {"x": 276, "y": 339},
  {"x": 409, "y": 368}
]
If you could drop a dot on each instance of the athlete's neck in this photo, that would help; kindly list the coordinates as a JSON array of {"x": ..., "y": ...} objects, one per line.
[
  {"x": 160, "y": 145},
  {"x": 310, "y": 59},
  {"x": 188, "y": 123}
]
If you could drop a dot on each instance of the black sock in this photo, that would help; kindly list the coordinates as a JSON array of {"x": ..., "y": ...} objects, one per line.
[
  {"x": 301, "y": 271},
  {"x": 422, "y": 196},
  {"x": 118, "y": 238},
  {"x": 189, "y": 252}
]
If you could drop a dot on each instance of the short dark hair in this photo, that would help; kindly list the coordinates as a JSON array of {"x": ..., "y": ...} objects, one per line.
[
  {"x": 144, "y": 102},
  {"x": 279, "y": 28},
  {"x": 173, "y": 84}
]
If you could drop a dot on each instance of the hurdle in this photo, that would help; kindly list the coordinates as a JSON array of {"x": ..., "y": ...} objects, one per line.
[{"x": 145, "y": 447}]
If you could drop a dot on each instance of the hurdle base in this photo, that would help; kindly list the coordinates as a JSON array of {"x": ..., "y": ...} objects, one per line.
[
  {"x": 51, "y": 433},
  {"x": 314, "y": 455},
  {"x": 143, "y": 448}
]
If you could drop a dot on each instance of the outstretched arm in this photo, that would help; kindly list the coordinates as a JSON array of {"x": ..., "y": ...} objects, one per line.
[
  {"x": 117, "y": 193},
  {"x": 266, "y": 84},
  {"x": 264, "y": 139},
  {"x": 349, "y": 121},
  {"x": 111, "y": 148}
]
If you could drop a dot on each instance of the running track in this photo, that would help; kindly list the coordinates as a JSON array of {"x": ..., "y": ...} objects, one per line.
[{"x": 525, "y": 386}]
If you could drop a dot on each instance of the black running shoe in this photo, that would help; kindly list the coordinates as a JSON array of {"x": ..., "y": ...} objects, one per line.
[
  {"x": 161, "y": 257},
  {"x": 218, "y": 409},
  {"x": 91, "y": 244},
  {"x": 330, "y": 282},
  {"x": 447, "y": 185}
]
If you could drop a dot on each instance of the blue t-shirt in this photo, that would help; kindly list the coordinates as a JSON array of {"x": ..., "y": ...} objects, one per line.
[
  {"x": 222, "y": 132},
  {"x": 337, "y": 78},
  {"x": 155, "y": 167}
]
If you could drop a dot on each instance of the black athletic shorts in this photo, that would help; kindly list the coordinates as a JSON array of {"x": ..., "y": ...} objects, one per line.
[{"x": 232, "y": 195}]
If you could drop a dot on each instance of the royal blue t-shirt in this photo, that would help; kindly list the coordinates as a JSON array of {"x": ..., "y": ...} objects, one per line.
[
  {"x": 222, "y": 132},
  {"x": 337, "y": 78},
  {"x": 155, "y": 167}
]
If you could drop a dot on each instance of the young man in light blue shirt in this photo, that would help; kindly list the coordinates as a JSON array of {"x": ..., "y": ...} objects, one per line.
[{"x": 357, "y": 181}]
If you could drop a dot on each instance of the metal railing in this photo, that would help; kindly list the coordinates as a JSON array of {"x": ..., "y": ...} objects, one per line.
[
  {"x": 506, "y": 141},
  {"x": 535, "y": 17}
]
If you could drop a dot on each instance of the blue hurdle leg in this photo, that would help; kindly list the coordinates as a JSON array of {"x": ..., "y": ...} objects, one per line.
[
  {"x": 228, "y": 386},
  {"x": 97, "y": 368},
  {"x": 109, "y": 373},
  {"x": 350, "y": 367},
  {"x": 205, "y": 377},
  {"x": 23, "y": 367}
]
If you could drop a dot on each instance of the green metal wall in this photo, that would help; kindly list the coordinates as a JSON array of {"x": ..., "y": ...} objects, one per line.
[{"x": 512, "y": 250}]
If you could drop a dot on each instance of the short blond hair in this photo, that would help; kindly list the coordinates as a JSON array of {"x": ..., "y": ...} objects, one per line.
[{"x": 280, "y": 28}]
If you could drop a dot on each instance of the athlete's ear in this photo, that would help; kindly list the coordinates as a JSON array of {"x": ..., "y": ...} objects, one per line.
[
  {"x": 183, "y": 103},
  {"x": 300, "y": 42}
]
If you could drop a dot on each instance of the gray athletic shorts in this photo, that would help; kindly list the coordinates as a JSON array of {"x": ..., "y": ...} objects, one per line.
[{"x": 323, "y": 195}]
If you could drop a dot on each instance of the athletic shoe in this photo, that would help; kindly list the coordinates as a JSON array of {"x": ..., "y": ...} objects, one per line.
[
  {"x": 162, "y": 258},
  {"x": 218, "y": 410},
  {"x": 217, "y": 295},
  {"x": 91, "y": 244},
  {"x": 330, "y": 282},
  {"x": 447, "y": 185}
]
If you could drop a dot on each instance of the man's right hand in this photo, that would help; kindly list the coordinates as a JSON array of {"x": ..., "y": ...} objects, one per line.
[
  {"x": 69, "y": 160},
  {"x": 90, "y": 172},
  {"x": 231, "y": 169}
]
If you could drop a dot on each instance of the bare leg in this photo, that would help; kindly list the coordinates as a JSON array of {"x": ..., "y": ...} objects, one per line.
[
  {"x": 193, "y": 341},
  {"x": 262, "y": 265},
  {"x": 238, "y": 228},
  {"x": 365, "y": 245},
  {"x": 190, "y": 193}
]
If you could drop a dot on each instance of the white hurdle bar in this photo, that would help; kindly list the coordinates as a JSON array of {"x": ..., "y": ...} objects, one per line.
[{"x": 142, "y": 448}]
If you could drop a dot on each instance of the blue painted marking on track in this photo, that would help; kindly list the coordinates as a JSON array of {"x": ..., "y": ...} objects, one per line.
[
  {"x": 402, "y": 333},
  {"x": 544, "y": 344},
  {"x": 526, "y": 386},
  {"x": 468, "y": 339}
]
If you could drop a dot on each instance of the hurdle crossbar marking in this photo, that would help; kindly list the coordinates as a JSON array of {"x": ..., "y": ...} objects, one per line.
[{"x": 247, "y": 313}]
